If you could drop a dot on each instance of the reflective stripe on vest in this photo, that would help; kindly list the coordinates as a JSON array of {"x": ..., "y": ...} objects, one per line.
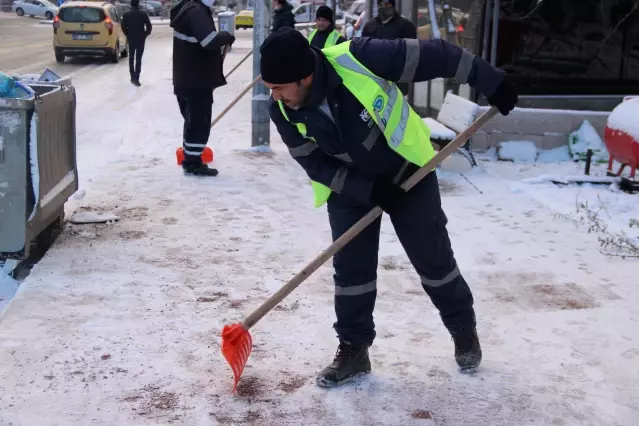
[
  {"x": 405, "y": 132},
  {"x": 330, "y": 40}
]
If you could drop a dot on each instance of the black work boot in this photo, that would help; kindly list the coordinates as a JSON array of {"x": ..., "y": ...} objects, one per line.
[
  {"x": 351, "y": 361},
  {"x": 467, "y": 348},
  {"x": 199, "y": 170}
]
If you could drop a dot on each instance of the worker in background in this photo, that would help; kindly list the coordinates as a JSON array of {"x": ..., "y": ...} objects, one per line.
[
  {"x": 325, "y": 35},
  {"x": 136, "y": 26},
  {"x": 332, "y": 107},
  {"x": 282, "y": 15},
  {"x": 197, "y": 71},
  {"x": 390, "y": 25}
]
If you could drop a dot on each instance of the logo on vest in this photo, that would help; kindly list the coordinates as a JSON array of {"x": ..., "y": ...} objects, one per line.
[
  {"x": 378, "y": 103},
  {"x": 366, "y": 117}
]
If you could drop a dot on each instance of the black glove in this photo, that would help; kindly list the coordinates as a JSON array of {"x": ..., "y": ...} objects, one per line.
[
  {"x": 505, "y": 97},
  {"x": 226, "y": 38},
  {"x": 387, "y": 195}
]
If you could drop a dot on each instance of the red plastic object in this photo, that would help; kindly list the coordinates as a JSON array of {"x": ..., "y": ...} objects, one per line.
[
  {"x": 621, "y": 141},
  {"x": 623, "y": 148},
  {"x": 207, "y": 155}
]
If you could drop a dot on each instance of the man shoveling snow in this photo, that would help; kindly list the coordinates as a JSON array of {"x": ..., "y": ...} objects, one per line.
[{"x": 346, "y": 123}]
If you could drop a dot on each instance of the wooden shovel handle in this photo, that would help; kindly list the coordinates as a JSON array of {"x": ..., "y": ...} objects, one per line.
[
  {"x": 239, "y": 63},
  {"x": 354, "y": 230},
  {"x": 242, "y": 93}
]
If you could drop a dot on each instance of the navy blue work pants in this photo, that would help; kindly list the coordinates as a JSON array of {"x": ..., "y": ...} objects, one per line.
[{"x": 420, "y": 224}]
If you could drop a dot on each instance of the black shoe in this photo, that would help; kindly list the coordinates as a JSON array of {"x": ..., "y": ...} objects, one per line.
[
  {"x": 351, "y": 361},
  {"x": 200, "y": 170},
  {"x": 467, "y": 348}
]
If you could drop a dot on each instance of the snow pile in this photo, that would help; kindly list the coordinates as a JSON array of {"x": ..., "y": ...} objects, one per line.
[
  {"x": 517, "y": 151},
  {"x": 585, "y": 138},
  {"x": 438, "y": 131},
  {"x": 457, "y": 113},
  {"x": 625, "y": 117},
  {"x": 555, "y": 155}
]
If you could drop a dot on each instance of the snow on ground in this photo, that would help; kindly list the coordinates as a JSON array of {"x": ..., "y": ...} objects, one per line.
[{"x": 120, "y": 323}]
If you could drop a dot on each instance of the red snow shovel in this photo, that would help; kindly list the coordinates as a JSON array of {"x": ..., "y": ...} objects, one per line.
[{"x": 236, "y": 339}]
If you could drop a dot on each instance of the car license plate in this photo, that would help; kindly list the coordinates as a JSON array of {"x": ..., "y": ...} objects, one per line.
[{"x": 82, "y": 37}]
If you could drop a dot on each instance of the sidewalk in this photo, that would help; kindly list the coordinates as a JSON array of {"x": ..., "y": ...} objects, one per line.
[{"x": 120, "y": 324}]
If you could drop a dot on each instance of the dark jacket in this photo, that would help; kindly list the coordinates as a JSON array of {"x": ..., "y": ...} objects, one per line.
[
  {"x": 283, "y": 17},
  {"x": 197, "y": 46},
  {"x": 351, "y": 152},
  {"x": 397, "y": 27},
  {"x": 320, "y": 38},
  {"x": 136, "y": 26}
]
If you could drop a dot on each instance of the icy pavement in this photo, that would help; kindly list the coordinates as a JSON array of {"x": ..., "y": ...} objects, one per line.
[{"x": 120, "y": 323}]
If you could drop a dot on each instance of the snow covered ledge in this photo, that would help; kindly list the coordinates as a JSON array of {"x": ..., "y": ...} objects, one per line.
[{"x": 547, "y": 128}]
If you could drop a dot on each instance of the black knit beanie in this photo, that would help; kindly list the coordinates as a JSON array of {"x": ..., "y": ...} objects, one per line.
[
  {"x": 286, "y": 57},
  {"x": 324, "y": 12}
]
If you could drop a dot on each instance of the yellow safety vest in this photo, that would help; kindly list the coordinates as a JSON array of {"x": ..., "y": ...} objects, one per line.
[
  {"x": 404, "y": 130},
  {"x": 330, "y": 40}
]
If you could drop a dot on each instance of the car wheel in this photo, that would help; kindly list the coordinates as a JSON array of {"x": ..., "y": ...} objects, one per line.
[
  {"x": 49, "y": 16},
  {"x": 59, "y": 57},
  {"x": 19, "y": 12},
  {"x": 115, "y": 56}
]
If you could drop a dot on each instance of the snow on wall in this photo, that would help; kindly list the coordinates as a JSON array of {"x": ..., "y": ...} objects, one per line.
[
  {"x": 625, "y": 117},
  {"x": 35, "y": 171}
]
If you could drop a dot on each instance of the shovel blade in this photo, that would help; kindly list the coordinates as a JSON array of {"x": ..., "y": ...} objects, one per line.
[{"x": 236, "y": 348}]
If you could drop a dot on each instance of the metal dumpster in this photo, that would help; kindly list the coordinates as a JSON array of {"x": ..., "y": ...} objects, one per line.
[{"x": 38, "y": 169}]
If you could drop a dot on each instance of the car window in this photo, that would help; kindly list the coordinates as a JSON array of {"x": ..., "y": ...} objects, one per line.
[
  {"x": 81, "y": 14},
  {"x": 114, "y": 15}
]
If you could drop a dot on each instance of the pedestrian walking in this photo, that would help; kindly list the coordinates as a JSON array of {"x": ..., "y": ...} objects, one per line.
[
  {"x": 197, "y": 72},
  {"x": 136, "y": 26},
  {"x": 282, "y": 15},
  {"x": 343, "y": 119},
  {"x": 325, "y": 35},
  {"x": 390, "y": 25}
]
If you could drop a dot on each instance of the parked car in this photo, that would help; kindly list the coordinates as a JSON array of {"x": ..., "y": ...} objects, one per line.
[
  {"x": 244, "y": 19},
  {"x": 86, "y": 28},
  {"x": 152, "y": 7},
  {"x": 33, "y": 8}
]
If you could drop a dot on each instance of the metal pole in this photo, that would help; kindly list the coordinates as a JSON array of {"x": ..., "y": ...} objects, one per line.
[
  {"x": 487, "y": 17},
  {"x": 493, "y": 46},
  {"x": 260, "y": 120}
]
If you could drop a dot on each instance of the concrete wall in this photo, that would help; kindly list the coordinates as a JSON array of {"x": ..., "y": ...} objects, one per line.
[{"x": 546, "y": 128}]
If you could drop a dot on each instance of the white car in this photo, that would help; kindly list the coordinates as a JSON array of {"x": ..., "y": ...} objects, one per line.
[{"x": 39, "y": 8}]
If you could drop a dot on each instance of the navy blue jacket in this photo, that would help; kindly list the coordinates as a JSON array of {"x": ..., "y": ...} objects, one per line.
[{"x": 350, "y": 152}]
